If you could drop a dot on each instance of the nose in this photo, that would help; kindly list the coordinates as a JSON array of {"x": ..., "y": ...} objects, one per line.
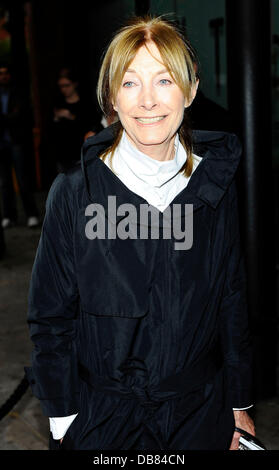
[{"x": 147, "y": 98}]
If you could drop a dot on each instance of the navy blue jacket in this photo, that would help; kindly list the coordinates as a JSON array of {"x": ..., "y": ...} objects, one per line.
[{"x": 148, "y": 344}]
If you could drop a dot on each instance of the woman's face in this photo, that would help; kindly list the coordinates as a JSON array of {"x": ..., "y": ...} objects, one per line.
[
  {"x": 67, "y": 87},
  {"x": 150, "y": 105}
]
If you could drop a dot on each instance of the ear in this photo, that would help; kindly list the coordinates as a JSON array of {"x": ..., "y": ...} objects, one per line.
[
  {"x": 194, "y": 90},
  {"x": 114, "y": 106}
]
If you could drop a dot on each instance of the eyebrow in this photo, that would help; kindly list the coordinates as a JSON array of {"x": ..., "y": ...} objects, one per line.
[{"x": 158, "y": 73}]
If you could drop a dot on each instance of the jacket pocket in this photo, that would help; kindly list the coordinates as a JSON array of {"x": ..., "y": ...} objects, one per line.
[{"x": 119, "y": 297}]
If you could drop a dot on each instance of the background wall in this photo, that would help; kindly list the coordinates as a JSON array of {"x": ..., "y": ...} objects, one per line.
[
  {"x": 102, "y": 20},
  {"x": 79, "y": 33},
  {"x": 196, "y": 16}
]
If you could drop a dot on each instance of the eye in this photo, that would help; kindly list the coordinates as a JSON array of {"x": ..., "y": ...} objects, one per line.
[
  {"x": 128, "y": 84},
  {"x": 165, "y": 81}
]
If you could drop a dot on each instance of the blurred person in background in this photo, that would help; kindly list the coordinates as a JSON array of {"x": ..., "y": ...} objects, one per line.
[
  {"x": 73, "y": 120},
  {"x": 15, "y": 148}
]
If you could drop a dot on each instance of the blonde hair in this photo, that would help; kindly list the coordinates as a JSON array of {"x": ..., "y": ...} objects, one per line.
[{"x": 177, "y": 55}]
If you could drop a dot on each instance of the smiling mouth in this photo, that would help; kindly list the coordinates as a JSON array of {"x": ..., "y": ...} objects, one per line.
[{"x": 150, "y": 120}]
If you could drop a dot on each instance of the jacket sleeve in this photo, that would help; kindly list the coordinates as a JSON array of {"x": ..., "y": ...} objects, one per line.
[
  {"x": 235, "y": 334},
  {"x": 53, "y": 304}
]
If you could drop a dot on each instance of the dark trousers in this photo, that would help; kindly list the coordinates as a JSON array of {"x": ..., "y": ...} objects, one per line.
[{"x": 13, "y": 156}]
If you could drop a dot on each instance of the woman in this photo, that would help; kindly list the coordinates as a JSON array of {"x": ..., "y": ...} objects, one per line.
[
  {"x": 72, "y": 120},
  {"x": 141, "y": 342}
]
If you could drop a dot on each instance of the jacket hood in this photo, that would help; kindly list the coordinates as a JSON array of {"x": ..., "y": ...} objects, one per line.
[{"x": 220, "y": 152}]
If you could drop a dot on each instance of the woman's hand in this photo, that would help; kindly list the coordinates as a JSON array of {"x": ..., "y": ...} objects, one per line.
[
  {"x": 63, "y": 113},
  {"x": 61, "y": 440},
  {"x": 243, "y": 421}
]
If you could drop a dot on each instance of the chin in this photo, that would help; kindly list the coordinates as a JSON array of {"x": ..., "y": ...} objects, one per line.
[{"x": 151, "y": 139}]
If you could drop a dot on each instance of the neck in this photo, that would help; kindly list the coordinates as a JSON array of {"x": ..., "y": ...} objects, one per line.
[
  {"x": 73, "y": 98},
  {"x": 162, "y": 152}
]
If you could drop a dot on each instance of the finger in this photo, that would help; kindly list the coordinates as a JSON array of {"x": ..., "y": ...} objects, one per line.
[
  {"x": 235, "y": 441},
  {"x": 234, "y": 445},
  {"x": 253, "y": 429}
]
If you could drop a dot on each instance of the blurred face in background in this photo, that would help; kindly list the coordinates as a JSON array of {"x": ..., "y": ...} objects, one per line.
[
  {"x": 149, "y": 103},
  {"x": 67, "y": 87},
  {"x": 4, "y": 76}
]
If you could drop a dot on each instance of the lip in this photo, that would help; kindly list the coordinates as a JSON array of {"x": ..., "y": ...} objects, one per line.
[{"x": 148, "y": 124}]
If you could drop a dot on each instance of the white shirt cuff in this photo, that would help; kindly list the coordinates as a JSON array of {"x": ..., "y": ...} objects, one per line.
[
  {"x": 241, "y": 409},
  {"x": 59, "y": 426}
]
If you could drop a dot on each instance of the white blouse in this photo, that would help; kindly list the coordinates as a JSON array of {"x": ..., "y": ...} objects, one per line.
[{"x": 156, "y": 181}]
